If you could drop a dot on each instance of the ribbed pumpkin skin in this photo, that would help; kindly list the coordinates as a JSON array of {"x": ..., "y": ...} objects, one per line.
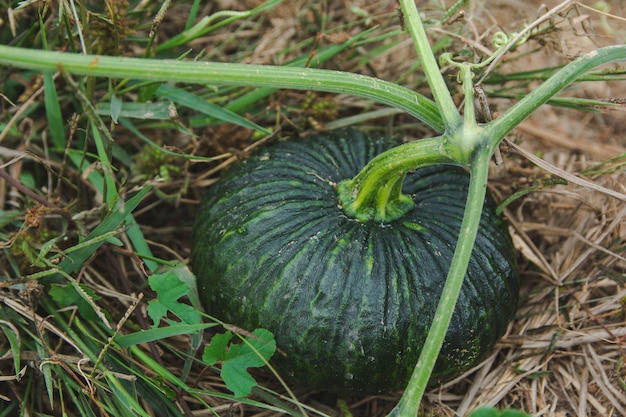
[{"x": 349, "y": 302}]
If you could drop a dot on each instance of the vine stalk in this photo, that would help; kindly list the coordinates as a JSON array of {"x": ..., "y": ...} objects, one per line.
[
  {"x": 408, "y": 405},
  {"x": 413, "y": 23},
  {"x": 218, "y": 73}
]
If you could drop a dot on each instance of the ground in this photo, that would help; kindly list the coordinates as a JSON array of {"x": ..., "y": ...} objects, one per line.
[{"x": 563, "y": 354}]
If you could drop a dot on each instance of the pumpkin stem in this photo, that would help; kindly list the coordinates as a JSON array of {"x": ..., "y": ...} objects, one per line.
[{"x": 375, "y": 194}]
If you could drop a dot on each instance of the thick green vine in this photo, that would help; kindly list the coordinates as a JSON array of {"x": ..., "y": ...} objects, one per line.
[{"x": 375, "y": 194}]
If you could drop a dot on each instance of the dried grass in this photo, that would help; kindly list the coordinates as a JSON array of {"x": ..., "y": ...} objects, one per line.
[{"x": 564, "y": 352}]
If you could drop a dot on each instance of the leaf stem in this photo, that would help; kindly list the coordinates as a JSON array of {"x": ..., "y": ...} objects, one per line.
[
  {"x": 375, "y": 193},
  {"x": 451, "y": 117},
  {"x": 503, "y": 125},
  {"x": 217, "y": 73},
  {"x": 409, "y": 403}
]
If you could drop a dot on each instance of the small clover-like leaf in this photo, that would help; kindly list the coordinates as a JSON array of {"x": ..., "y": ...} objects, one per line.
[
  {"x": 217, "y": 349},
  {"x": 170, "y": 289},
  {"x": 253, "y": 352}
]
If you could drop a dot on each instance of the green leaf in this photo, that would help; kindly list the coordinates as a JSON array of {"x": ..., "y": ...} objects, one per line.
[
  {"x": 141, "y": 246},
  {"x": 254, "y": 352},
  {"x": 192, "y": 101},
  {"x": 217, "y": 349},
  {"x": 184, "y": 274},
  {"x": 12, "y": 335},
  {"x": 170, "y": 288},
  {"x": 129, "y": 125},
  {"x": 493, "y": 412},
  {"x": 115, "y": 108},
  {"x": 151, "y": 335},
  {"x": 76, "y": 260},
  {"x": 46, "y": 371},
  {"x": 146, "y": 92},
  {"x": 67, "y": 295},
  {"x": 109, "y": 190},
  {"x": 53, "y": 111},
  {"x": 121, "y": 395}
]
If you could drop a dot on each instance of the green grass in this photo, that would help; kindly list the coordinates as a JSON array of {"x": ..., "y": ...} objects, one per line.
[
  {"x": 101, "y": 180},
  {"x": 87, "y": 325}
]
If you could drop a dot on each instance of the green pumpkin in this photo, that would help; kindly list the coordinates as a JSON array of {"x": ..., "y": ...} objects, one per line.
[{"x": 349, "y": 302}]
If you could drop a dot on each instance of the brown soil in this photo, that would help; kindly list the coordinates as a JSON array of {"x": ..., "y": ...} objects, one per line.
[{"x": 564, "y": 353}]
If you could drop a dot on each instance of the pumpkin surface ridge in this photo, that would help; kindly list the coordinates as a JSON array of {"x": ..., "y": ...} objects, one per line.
[
  {"x": 275, "y": 264},
  {"x": 380, "y": 251},
  {"x": 410, "y": 293}
]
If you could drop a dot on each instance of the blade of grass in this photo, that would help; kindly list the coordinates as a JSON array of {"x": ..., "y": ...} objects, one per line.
[
  {"x": 129, "y": 125},
  {"x": 568, "y": 176},
  {"x": 77, "y": 397},
  {"x": 88, "y": 299},
  {"x": 109, "y": 192},
  {"x": 361, "y": 118},
  {"x": 104, "y": 149},
  {"x": 12, "y": 334},
  {"x": 9, "y": 410},
  {"x": 140, "y": 245},
  {"x": 158, "y": 333},
  {"x": 194, "y": 102},
  {"x": 576, "y": 103},
  {"x": 193, "y": 12},
  {"x": 204, "y": 26},
  {"x": 129, "y": 401},
  {"x": 53, "y": 111},
  {"x": 199, "y": 394},
  {"x": 142, "y": 111},
  {"x": 153, "y": 390},
  {"x": 51, "y": 101},
  {"x": 110, "y": 223},
  {"x": 45, "y": 371},
  {"x": 85, "y": 335}
]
